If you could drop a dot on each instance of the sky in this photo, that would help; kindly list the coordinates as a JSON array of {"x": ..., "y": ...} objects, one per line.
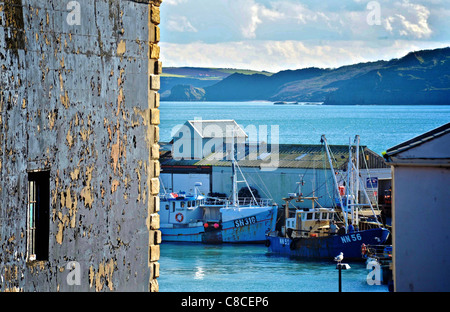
[{"x": 274, "y": 35}]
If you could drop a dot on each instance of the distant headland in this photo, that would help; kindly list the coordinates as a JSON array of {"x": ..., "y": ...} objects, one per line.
[{"x": 419, "y": 78}]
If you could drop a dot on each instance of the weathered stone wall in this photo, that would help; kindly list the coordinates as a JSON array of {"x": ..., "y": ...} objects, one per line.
[{"x": 79, "y": 98}]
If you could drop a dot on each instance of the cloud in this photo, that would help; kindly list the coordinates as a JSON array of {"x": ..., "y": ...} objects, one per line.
[
  {"x": 180, "y": 24},
  {"x": 248, "y": 15},
  {"x": 419, "y": 28},
  {"x": 281, "y": 55},
  {"x": 406, "y": 19},
  {"x": 289, "y": 34},
  {"x": 174, "y": 2},
  {"x": 297, "y": 12},
  {"x": 249, "y": 28}
]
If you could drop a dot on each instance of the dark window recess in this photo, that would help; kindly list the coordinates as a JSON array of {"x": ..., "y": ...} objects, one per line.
[{"x": 38, "y": 222}]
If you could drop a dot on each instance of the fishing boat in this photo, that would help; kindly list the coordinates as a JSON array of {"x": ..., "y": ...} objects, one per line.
[
  {"x": 203, "y": 219},
  {"x": 319, "y": 232}
]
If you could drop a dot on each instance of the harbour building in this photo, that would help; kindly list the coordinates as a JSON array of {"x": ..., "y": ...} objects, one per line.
[
  {"x": 79, "y": 146},
  {"x": 420, "y": 208},
  {"x": 271, "y": 170}
]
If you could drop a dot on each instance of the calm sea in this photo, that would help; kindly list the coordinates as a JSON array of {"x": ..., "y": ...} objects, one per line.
[
  {"x": 249, "y": 268},
  {"x": 379, "y": 127}
]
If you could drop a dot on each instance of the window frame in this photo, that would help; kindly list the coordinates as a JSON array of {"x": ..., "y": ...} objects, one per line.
[{"x": 38, "y": 216}]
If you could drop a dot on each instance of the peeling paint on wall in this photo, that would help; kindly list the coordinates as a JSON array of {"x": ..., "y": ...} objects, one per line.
[
  {"x": 81, "y": 102},
  {"x": 102, "y": 276}
]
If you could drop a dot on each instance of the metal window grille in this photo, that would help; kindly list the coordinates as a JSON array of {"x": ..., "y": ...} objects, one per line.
[
  {"x": 38, "y": 222},
  {"x": 31, "y": 221}
]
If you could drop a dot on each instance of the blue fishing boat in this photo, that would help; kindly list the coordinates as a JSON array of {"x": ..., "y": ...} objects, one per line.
[
  {"x": 319, "y": 232},
  {"x": 202, "y": 219},
  {"x": 327, "y": 246}
]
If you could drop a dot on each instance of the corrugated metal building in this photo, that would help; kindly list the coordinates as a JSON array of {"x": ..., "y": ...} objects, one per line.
[{"x": 273, "y": 170}]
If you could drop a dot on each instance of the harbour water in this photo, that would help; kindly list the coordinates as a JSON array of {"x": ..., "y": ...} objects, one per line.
[
  {"x": 249, "y": 268},
  {"x": 379, "y": 127}
]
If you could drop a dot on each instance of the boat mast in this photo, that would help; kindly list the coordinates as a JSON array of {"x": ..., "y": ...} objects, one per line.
[
  {"x": 234, "y": 167},
  {"x": 350, "y": 182},
  {"x": 368, "y": 200},
  {"x": 233, "y": 171},
  {"x": 356, "y": 181},
  {"x": 335, "y": 181}
]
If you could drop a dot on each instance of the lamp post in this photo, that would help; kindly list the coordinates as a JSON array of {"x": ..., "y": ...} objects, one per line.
[{"x": 340, "y": 267}]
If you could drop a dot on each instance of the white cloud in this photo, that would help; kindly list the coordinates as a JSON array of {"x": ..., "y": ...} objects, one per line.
[
  {"x": 281, "y": 55},
  {"x": 297, "y": 12},
  {"x": 288, "y": 34},
  {"x": 408, "y": 20},
  {"x": 248, "y": 15},
  {"x": 248, "y": 30},
  {"x": 420, "y": 28},
  {"x": 180, "y": 24},
  {"x": 173, "y": 2}
]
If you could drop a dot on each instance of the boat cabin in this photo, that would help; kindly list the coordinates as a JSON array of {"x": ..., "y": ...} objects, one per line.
[
  {"x": 178, "y": 208},
  {"x": 310, "y": 222}
]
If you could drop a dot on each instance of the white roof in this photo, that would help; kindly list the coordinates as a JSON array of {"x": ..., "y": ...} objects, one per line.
[{"x": 217, "y": 128}]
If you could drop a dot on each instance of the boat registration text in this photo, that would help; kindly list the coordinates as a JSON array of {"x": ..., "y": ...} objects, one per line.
[
  {"x": 244, "y": 221},
  {"x": 350, "y": 238}
]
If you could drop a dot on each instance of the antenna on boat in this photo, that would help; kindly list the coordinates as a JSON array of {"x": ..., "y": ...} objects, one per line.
[
  {"x": 350, "y": 183},
  {"x": 197, "y": 191},
  {"x": 357, "y": 170},
  {"x": 368, "y": 199},
  {"x": 324, "y": 140},
  {"x": 235, "y": 181},
  {"x": 162, "y": 184},
  {"x": 233, "y": 171}
]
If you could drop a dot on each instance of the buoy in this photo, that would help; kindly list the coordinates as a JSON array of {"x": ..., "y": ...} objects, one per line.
[
  {"x": 179, "y": 217},
  {"x": 363, "y": 249}
]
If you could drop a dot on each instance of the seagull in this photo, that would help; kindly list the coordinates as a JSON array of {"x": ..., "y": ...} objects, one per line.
[{"x": 339, "y": 257}]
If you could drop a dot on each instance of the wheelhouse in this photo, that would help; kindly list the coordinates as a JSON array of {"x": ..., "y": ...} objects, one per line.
[{"x": 310, "y": 222}]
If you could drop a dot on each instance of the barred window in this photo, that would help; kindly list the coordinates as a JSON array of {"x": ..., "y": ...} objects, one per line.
[{"x": 38, "y": 215}]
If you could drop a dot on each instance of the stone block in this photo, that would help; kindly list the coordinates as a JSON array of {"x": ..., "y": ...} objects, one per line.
[
  {"x": 155, "y": 82},
  {"x": 155, "y": 15},
  {"x": 154, "y": 253},
  {"x": 154, "y": 51},
  {"x": 154, "y": 186},
  {"x": 154, "y": 116}
]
